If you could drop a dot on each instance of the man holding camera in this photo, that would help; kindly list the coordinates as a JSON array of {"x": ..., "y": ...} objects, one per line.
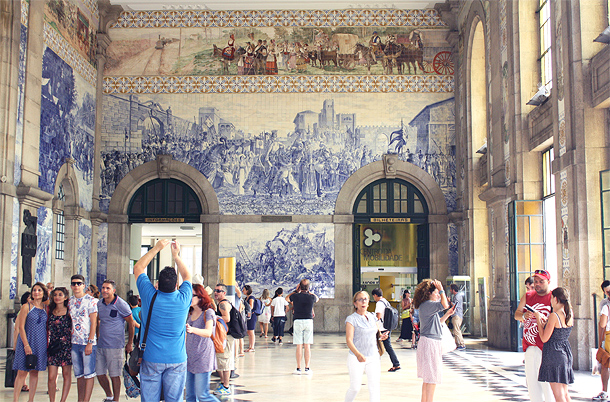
[
  {"x": 539, "y": 300},
  {"x": 302, "y": 301}
]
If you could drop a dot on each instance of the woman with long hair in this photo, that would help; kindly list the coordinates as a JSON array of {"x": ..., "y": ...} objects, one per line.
[
  {"x": 406, "y": 328},
  {"x": 265, "y": 317},
  {"x": 251, "y": 317},
  {"x": 32, "y": 340},
  {"x": 93, "y": 291},
  {"x": 200, "y": 353},
  {"x": 361, "y": 338},
  {"x": 429, "y": 297},
  {"x": 556, "y": 366},
  {"x": 60, "y": 343},
  {"x": 278, "y": 312}
]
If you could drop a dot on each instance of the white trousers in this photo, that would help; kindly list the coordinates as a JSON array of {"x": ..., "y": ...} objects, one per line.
[
  {"x": 372, "y": 367},
  {"x": 535, "y": 388}
]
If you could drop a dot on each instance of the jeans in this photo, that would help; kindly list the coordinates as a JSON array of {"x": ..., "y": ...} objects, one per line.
[
  {"x": 154, "y": 375},
  {"x": 388, "y": 348},
  {"x": 372, "y": 367},
  {"x": 83, "y": 365},
  {"x": 278, "y": 326},
  {"x": 198, "y": 388}
]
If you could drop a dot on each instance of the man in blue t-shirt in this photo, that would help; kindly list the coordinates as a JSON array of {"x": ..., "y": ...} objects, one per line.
[{"x": 167, "y": 329}]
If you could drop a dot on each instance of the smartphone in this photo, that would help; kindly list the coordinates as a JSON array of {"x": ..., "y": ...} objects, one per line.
[{"x": 528, "y": 308}]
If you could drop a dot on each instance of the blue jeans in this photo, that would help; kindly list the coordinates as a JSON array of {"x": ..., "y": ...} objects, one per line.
[
  {"x": 278, "y": 326},
  {"x": 154, "y": 375},
  {"x": 198, "y": 388}
]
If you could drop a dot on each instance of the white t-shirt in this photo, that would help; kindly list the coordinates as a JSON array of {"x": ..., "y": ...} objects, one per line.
[
  {"x": 279, "y": 306},
  {"x": 605, "y": 310},
  {"x": 380, "y": 308}
]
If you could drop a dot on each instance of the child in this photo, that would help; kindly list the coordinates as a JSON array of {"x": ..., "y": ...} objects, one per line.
[{"x": 265, "y": 317}]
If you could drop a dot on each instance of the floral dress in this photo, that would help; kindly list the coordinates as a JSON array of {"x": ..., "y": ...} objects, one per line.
[{"x": 60, "y": 340}]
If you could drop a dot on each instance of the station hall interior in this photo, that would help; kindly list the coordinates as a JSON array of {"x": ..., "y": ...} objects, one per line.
[{"x": 474, "y": 148}]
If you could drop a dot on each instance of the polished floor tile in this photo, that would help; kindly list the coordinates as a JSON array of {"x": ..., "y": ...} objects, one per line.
[{"x": 478, "y": 374}]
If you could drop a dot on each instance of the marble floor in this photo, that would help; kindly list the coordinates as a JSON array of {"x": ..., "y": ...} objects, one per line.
[{"x": 478, "y": 374}]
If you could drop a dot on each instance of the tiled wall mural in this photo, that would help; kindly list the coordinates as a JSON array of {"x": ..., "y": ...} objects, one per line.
[
  {"x": 84, "y": 249},
  {"x": 44, "y": 231},
  {"x": 282, "y": 153},
  {"x": 270, "y": 42},
  {"x": 102, "y": 254},
  {"x": 76, "y": 21},
  {"x": 67, "y": 125},
  {"x": 275, "y": 255}
]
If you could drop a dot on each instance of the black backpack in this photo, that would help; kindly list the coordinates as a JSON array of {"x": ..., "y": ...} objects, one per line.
[
  {"x": 390, "y": 317},
  {"x": 237, "y": 325}
]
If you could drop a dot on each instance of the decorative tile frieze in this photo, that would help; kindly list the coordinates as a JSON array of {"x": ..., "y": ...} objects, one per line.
[
  {"x": 427, "y": 18},
  {"x": 25, "y": 12},
  {"x": 279, "y": 84},
  {"x": 64, "y": 50}
]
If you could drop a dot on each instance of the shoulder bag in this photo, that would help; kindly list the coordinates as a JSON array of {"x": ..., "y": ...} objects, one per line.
[{"x": 135, "y": 358}]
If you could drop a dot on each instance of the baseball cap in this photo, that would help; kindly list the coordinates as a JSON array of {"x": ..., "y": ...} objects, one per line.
[{"x": 543, "y": 274}]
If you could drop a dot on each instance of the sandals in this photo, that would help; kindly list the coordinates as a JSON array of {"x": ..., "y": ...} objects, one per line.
[
  {"x": 393, "y": 369},
  {"x": 250, "y": 350},
  {"x": 25, "y": 389}
]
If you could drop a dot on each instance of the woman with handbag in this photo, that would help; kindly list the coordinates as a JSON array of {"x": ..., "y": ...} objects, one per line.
[
  {"x": 200, "y": 352},
  {"x": 429, "y": 297},
  {"x": 31, "y": 350},
  {"x": 406, "y": 328},
  {"x": 60, "y": 343},
  {"x": 361, "y": 333}
]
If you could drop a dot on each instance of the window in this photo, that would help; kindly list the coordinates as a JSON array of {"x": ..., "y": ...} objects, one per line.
[
  {"x": 545, "y": 59},
  {"x": 162, "y": 198},
  {"x": 391, "y": 198},
  {"x": 60, "y": 230},
  {"x": 548, "y": 182}
]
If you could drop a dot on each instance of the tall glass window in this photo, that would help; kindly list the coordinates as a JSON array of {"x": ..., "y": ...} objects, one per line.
[
  {"x": 545, "y": 59},
  {"x": 548, "y": 183}
]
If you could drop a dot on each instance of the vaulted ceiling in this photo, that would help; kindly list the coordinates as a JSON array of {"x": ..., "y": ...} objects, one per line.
[{"x": 270, "y": 4}]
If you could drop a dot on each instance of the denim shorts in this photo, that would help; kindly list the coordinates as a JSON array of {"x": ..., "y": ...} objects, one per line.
[{"x": 83, "y": 365}]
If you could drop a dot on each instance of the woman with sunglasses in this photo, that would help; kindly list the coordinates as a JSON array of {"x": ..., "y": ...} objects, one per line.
[
  {"x": 361, "y": 338},
  {"x": 32, "y": 340}
]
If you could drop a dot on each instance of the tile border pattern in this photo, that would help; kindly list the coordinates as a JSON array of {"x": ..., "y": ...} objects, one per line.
[
  {"x": 279, "y": 84},
  {"x": 64, "y": 50},
  {"x": 427, "y": 18}
]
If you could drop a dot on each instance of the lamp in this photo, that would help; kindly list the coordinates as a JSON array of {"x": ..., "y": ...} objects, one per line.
[
  {"x": 540, "y": 97},
  {"x": 603, "y": 37}
]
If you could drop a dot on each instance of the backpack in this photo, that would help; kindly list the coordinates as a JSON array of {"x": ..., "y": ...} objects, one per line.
[
  {"x": 219, "y": 337},
  {"x": 390, "y": 317},
  {"x": 237, "y": 325},
  {"x": 258, "y": 307},
  {"x": 132, "y": 384}
]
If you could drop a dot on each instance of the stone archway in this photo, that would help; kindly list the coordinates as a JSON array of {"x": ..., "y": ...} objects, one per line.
[
  {"x": 164, "y": 167},
  {"x": 391, "y": 168}
]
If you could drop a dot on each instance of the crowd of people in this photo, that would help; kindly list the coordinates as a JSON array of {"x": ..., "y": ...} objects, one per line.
[{"x": 85, "y": 334}]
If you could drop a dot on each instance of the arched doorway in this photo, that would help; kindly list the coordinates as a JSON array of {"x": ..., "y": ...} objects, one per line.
[
  {"x": 161, "y": 190},
  {"x": 391, "y": 246}
]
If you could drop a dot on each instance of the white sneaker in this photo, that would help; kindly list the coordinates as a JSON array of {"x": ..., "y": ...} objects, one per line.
[
  {"x": 602, "y": 396},
  {"x": 297, "y": 372},
  {"x": 307, "y": 372}
]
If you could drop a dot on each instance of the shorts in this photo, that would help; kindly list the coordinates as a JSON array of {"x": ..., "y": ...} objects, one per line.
[
  {"x": 110, "y": 361},
  {"x": 225, "y": 361},
  {"x": 83, "y": 365},
  {"x": 302, "y": 332}
]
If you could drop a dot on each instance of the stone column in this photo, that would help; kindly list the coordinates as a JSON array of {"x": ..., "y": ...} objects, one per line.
[
  {"x": 10, "y": 25},
  {"x": 439, "y": 241},
  {"x": 118, "y": 252},
  {"x": 344, "y": 272}
]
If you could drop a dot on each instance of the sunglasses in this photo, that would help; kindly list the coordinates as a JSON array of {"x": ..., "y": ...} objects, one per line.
[
  {"x": 218, "y": 291},
  {"x": 77, "y": 283},
  {"x": 362, "y": 300}
]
